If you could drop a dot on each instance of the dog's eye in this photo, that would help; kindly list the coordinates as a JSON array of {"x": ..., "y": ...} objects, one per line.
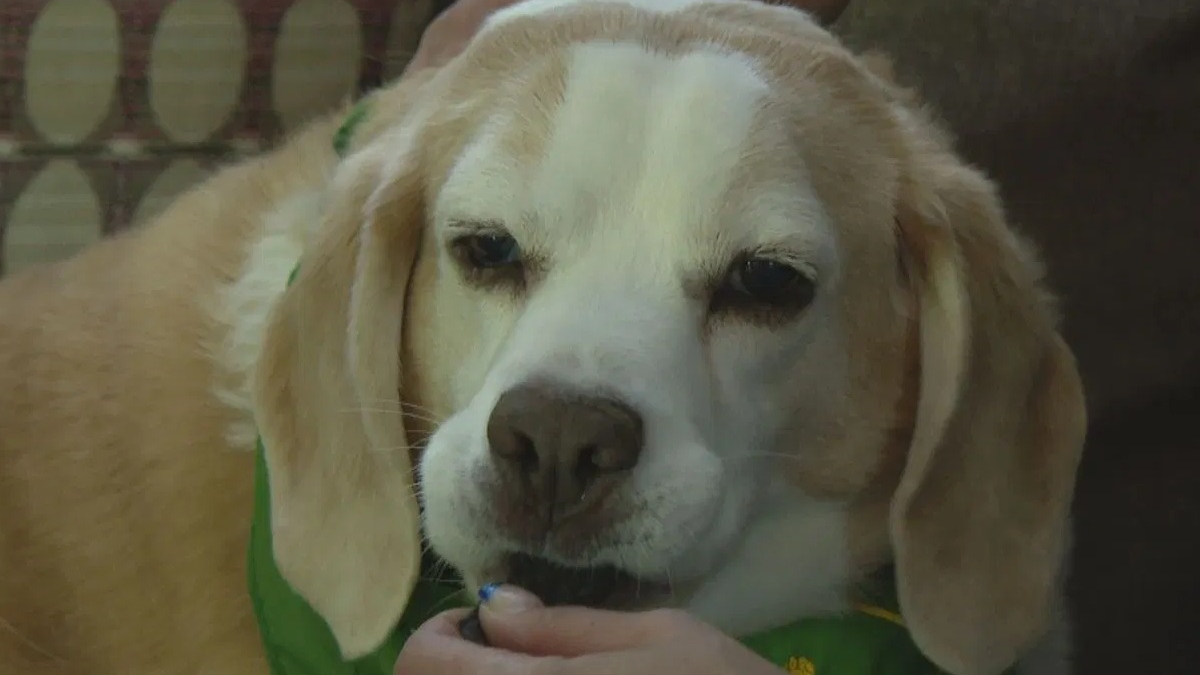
[
  {"x": 489, "y": 250},
  {"x": 490, "y": 259},
  {"x": 763, "y": 283}
]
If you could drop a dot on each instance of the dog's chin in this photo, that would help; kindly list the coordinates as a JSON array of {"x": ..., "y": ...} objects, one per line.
[{"x": 600, "y": 586}]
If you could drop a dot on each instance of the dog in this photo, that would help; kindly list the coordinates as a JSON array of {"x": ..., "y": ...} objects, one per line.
[{"x": 683, "y": 290}]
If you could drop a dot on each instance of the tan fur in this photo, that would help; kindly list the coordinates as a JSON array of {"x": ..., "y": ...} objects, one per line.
[
  {"x": 124, "y": 520},
  {"x": 339, "y": 465},
  {"x": 979, "y": 521},
  {"x": 132, "y": 375}
]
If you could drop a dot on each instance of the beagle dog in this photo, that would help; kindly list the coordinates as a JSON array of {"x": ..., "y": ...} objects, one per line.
[{"x": 678, "y": 289}]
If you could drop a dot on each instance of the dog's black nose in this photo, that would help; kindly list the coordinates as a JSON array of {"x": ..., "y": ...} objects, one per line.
[{"x": 566, "y": 448}]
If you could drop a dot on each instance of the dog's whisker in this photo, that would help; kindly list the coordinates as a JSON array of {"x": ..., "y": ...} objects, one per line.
[
  {"x": 406, "y": 405},
  {"x": 416, "y": 406},
  {"x": 402, "y": 413},
  {"x": 407, "y": 414},
  {"x": 419, "y": 446},
  {"x": 387, "y": 411},
  {"x": 439, "y": 567},
  {"x": 376, "y": 407},
  {"x": 692, "y": 537}
]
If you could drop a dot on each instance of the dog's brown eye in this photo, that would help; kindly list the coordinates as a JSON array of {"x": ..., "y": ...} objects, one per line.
[
  {"x": 765, "y": 284},
  {"x": 491, "y": 259},
  {"x": 489, "y": 250}
]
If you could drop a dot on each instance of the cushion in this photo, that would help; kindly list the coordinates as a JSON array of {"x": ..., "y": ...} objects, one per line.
[{"x": 110, "y": 108}]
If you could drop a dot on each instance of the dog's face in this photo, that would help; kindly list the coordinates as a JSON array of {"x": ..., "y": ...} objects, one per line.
[
  {"x": 637, "y": 320},
  {"x": 696, "y": 311}
]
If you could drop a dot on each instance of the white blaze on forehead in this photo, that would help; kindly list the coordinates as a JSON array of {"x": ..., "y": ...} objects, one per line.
[
  {"x": 645, "y": 140},
  {"x": 642, "y": 146}
]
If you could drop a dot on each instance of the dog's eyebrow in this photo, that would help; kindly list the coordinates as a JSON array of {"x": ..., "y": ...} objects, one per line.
[
  {"x": 803, "y": 257},
  {"x": 475, "y": 225}
]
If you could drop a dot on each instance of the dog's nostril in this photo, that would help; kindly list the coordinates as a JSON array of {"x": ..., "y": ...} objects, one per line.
[
  {"x": 525, "y": 452},
  {"x": 588, "y": 464}
]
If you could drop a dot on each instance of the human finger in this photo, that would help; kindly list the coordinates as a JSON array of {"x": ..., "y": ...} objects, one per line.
[{"x": 514, "y": 619}]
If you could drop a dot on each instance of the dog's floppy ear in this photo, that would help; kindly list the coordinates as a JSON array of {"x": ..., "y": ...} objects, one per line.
[
  {"x": 344, "y": 517},
  {"x": 980, "y": 518}
]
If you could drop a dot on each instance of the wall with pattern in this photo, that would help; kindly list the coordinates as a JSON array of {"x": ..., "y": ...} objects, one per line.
[{"x": 109, "y": 108}]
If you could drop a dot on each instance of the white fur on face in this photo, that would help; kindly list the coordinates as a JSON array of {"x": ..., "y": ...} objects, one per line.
[{"x": 642, "y": 188}]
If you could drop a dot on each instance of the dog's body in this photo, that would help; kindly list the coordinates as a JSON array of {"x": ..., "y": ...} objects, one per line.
[
  {"x": 124, "y": 505},
  {"x": 903, "y": 395}
]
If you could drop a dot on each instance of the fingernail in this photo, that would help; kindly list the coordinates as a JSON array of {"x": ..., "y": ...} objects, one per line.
[
  {"x": 486, "y": 591},
  {"x": 507, "y": 599}
]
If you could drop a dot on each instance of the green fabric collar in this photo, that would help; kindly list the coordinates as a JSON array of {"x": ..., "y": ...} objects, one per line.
[
  {"x": 296, "y": 639},
  {"x": 868, "y": 641},
  {"x": 345, "y": 133}
]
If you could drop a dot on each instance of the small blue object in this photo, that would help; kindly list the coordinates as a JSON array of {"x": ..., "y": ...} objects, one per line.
[{"x": 487, "y": 591}]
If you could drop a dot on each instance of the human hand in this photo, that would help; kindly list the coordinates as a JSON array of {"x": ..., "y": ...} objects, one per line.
[
  {"x": 529, "y": 639},
  {"x": 448, "y": 34}
]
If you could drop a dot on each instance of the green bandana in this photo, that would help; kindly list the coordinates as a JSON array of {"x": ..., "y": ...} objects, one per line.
[
  {"x": 871, "y": 640},
  {"x": 296, "y": 638},
  {"x": 345, "y": 132}
]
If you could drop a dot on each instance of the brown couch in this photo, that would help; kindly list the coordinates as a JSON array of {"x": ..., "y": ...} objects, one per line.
[
  {"x": 1088, "y": 114},
  {"x": 1086, "y": 111}
]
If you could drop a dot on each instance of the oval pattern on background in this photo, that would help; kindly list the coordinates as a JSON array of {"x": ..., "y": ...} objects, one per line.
[
  {"x": 317, "y": 55},
  {"x": 57, "y": 215},
  {"x": 181, "y": 175},
  {"x": 197, "y": 66},
  {"x": 71, "y": 69}
]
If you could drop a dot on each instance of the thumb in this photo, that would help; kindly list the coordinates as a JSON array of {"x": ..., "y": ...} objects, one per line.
[{"x": 516, "y": 620}]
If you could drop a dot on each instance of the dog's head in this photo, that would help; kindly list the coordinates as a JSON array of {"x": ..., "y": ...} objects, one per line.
[{"x": 690, "y": 293}]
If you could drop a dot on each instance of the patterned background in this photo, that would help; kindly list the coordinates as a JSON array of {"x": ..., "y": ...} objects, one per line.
[{"x": 109, "y": 108}]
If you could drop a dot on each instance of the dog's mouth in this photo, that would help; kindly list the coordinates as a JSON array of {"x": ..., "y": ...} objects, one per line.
[{"x": 603, "y": 586}]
